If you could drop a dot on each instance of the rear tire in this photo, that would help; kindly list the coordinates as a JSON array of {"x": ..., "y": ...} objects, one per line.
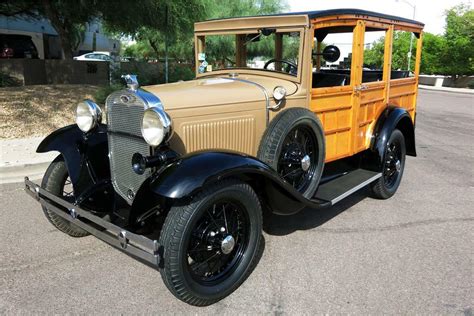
[
  {"x": 211, "y": 245},
  {"x": 55, "y": 180},
  {"x": 394, "y": 165}
]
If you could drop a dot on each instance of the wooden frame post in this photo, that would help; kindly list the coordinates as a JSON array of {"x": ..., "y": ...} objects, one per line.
[
  {"x": 357, "y": 64},
  {"x": 318, "y": 57},
  {"x": 419, "y": 45},
  {"x": 241, "y": 50},
  {"x": 387, "y": 62},
  {"x": 278, "y": 50},
  {"x": 200, "y": 47}
]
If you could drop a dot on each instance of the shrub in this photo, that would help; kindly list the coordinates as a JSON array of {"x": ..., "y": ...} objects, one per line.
[
  {"x": 184, "y": 72},
  {"x": 101, "y": 95},
  {"x": 471, "y": 84},
  {"x": 9, "y": 81}
]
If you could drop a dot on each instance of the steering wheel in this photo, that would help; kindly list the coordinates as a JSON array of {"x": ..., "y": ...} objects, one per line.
[{"x": 291, "y": 68}]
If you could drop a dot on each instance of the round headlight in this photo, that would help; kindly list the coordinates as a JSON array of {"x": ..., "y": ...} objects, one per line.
[
  {"x": 88, "y": 115},
  {"x": 156, "y": 126},
  {"x": 279, "y": 93}
]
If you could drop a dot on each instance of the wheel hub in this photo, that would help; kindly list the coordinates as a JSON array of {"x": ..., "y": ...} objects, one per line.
[
  {"x": 398, "y": 165},
  {"x": 227, "y": 244},
  {"x": 305, "y": 163}
]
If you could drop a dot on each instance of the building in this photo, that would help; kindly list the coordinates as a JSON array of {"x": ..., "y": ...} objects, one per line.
[{"x": 46, "y": 40}]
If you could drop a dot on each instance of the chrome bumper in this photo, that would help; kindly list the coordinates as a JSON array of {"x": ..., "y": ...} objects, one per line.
[{"x": 133, "y": 244}]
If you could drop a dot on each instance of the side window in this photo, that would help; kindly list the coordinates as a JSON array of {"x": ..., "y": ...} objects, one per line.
[
  {"x": 374, "y": 49},
  {"x": 104, "y": 57},
  {"x": 403, "y": 54},
  {"x": 335, "y": 71}
]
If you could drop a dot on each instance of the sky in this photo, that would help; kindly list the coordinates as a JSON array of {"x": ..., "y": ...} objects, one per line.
[{"x": 429, "y": 12}]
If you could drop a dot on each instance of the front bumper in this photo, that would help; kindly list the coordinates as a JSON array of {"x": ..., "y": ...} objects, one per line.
[{"x": 136, "y": 245}]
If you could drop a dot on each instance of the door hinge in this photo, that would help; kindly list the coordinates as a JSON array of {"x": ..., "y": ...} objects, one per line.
[{"x": 362, "y": 87}]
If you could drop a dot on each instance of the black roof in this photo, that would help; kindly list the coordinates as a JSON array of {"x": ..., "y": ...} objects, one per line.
[{"x": 322, "y": 13}]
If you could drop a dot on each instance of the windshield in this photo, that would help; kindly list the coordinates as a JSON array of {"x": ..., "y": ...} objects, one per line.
[{"x": 266, "y": 49}]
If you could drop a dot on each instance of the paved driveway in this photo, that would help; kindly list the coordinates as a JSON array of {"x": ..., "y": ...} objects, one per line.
[{"x": 410, "y": 254}]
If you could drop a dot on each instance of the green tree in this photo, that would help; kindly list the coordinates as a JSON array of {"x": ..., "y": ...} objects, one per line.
[
  {"x": 458, "y": 54},
  {"x": 222, "y": 47},
  {"x": 67, "y": 17},
  {"x": 179, "y": 35},
  {"x": 122, "y": 16},
  {"x": 433, "y": 46}
]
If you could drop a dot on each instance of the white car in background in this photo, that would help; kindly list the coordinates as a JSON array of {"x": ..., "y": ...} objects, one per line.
[{"x": 95, "y": 56}]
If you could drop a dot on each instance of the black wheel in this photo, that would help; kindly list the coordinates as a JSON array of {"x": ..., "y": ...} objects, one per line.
[
  {"x": 394, "y": 164},
  {"x": 56, "y": 180},
  {"x": 210, "y": 245},
  {"x": 293, "y": 145}
]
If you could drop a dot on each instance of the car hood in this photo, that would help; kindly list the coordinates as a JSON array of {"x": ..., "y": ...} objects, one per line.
[{"x": 217, "y": 91}]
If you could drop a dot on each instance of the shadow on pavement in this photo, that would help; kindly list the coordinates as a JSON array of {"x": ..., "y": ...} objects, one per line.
[{"x": 308, "y": 218}]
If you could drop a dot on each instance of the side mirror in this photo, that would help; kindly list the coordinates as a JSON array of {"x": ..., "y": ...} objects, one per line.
[
  {"x": 267, "y": 32},
  {"x": 331, "y": 53}
]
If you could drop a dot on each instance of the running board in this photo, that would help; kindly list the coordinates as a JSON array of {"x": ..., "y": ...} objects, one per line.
[{"x": 340, "y": 188}]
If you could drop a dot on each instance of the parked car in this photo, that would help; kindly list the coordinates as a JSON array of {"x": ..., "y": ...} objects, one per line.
[
  {"x": 17, "y": 46},
  {"x": 181, "y": 173},
  {"x": 95, "y": 56}
]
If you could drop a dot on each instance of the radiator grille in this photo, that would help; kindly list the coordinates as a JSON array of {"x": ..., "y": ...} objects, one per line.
[{"x": 124, "y": 135}]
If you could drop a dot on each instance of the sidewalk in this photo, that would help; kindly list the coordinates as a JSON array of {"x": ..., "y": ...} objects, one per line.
[
  {"x": 446, "y": 89},
  {"x": 18, "y": 158}
]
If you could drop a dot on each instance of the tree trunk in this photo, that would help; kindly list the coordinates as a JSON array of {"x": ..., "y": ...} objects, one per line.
[
  {"x": 153, "y": 45},
  {"x": 60, "y": 27}
]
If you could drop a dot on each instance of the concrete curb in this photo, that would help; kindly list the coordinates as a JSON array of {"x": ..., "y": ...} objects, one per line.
[
  {"x": 446, "y": 89},
  {"x": 17, "y": 173},
  {"x": 18, "y": 158}
]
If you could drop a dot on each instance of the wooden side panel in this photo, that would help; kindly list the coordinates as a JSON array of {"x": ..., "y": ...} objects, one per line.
[
  {"x": 334, "y": 109},
  {"x": 372, "y": 104},
  {"x": 403, "y": 94}
]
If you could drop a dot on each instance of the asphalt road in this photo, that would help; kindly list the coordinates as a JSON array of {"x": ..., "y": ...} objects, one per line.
[{"x": 410, "y": 254}]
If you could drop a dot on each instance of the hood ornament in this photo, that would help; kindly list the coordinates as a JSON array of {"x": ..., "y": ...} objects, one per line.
[{"x": 132, "y": 82}]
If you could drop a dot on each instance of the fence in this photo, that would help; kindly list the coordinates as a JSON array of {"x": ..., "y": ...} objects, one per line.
[{"x": 37, "y": 71}]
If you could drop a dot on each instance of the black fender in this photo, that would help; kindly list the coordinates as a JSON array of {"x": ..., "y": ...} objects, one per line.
[
  {"x": 184, "y": 177},
  {"x": 392, "y": 118},
  {"x": 85, "y": 155}
]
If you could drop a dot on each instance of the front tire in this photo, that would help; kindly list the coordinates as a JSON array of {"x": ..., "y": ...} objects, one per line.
[
  {"x": 56, "y": 180},
  {"x": 394, "y": 165},
  {"x": 210, "y": 246}
]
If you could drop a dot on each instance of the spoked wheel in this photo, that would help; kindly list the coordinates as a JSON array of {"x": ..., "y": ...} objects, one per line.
[
  {"x": 56, "y": 180},
  {"x": 394, "y": 164},
  {"x": 298, "y": 151},
  {"x": 210, "y": 245},
  {"x": 218, "y": 242},
  {"x": 293, "y": 145}
]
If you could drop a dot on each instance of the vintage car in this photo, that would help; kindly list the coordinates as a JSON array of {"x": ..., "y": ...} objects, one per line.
[{"x": 180, "y": 175}]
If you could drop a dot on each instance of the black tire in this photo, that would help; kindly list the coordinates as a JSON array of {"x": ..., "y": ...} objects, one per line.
[
  {"x": 186, "y": 243},
  {"x": 273, "y": 147},
  {"x": 54, "y": 181},
  {"x": 394, "y": 165}
]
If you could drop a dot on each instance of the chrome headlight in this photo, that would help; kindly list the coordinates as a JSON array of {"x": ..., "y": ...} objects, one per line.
[
  {"x": 88, "y": 115},
  {"x": 156, "y": 126}
]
